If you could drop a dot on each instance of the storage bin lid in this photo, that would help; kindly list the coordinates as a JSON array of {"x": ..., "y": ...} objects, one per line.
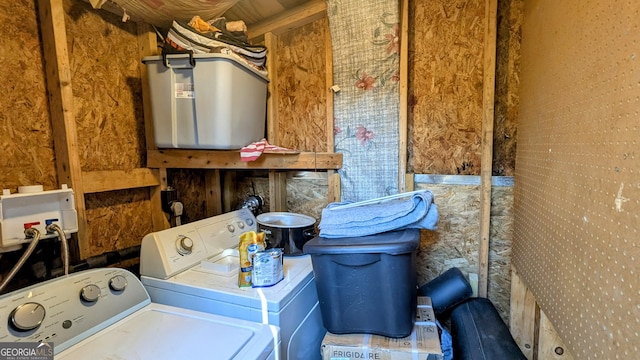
[
  {"x": 185, "y": 61},
  {"x": 392, "y": 243}
]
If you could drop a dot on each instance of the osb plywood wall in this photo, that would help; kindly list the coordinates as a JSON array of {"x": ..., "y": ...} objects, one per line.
[
  {"x": 455, "y": 243},
  {"x": 103, "y": 54},
  {"x": 301, "y": 87},
  {"x": 105, "y": 73},
  {"x": 107, "y": 108},
  {"x": 306, "y": 192},
  {"x": 577, "y": 194},
  {"x": 191, "y": 190},
  {"x": 25, "y": 130},
  {"x": 445, "y": 81},
  {"x": 117, "y": 220},
  {"x": 507, "y": 89},
  {"x": 446, "y": 40},
  {"x": 445, "y": 113}
]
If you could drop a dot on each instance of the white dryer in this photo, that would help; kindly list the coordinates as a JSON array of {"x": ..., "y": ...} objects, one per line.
[
  {"x": 107, "y": 314},
  {"x": 195, "y": 266}
]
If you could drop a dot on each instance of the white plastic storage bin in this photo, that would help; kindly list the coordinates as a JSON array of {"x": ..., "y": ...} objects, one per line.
[{"x": 206, "y": 101}]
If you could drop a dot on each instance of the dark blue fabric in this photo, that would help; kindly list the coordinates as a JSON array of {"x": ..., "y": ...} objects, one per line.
[{"x": 446, "y": 343}]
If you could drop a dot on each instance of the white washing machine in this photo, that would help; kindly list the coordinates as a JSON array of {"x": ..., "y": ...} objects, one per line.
[
  {"x": 107, "y": 314},
  {"x": 195, "y": 266}
]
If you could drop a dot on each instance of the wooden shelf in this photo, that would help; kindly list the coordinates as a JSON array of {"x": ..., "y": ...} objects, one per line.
[
  {"x": 215, "y": 160},
  {"x": 230, "y": 159}
]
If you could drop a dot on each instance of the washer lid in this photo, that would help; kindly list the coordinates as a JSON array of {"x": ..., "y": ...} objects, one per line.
[{"x": 165, "y": 332}]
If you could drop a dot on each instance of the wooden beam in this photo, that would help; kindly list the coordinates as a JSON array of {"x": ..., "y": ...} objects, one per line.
[
  {"x": 148, "y": 46},
  {"x": 334, "y": 186},
  {"x": 328, "y": 83},
  {"x": 551, "y": 346},
  {"x": 271, "y": 42},
  {"x": 61, "y": 106},
  {"x": 228, "y": 190},
  {"x": 333, "y": 178},
  {"x": 523, "y": 316},
  {"x": 404, "y": 96},
  {"x": 159, "y": 219},
  {"x": 100, "y": 181},
  {"x": 288, "y": 20},
  {"x": 213, "y": 200},
  {"x": 491, "y": 9},
  {"x": 410, "y": 184},
  {"x": 277, "y": 190},
  {"x": 205, "y": 159}
]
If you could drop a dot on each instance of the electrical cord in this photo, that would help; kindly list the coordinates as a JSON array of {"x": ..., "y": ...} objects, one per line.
[
  {"x": 65, "y": 245},
  {"x": 29, "y": 233},
  {"x": 177, "y": 208}
]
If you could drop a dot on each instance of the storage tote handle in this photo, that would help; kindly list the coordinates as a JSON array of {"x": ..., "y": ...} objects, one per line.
[
  {"x": 356, "y": 259},
  {"x": 167, "y": 64}
]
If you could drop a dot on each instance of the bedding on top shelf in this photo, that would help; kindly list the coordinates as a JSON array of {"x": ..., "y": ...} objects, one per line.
[
  {"x": 197, "y": 36},
  {"x": 216, "y": 36}
]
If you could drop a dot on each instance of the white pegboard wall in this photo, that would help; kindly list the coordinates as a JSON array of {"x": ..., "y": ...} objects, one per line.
[
  {"x": 35, "y": 208},
  {"x": 577, "y": 192}
]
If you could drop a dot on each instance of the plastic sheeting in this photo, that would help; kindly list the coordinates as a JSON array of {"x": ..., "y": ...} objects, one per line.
[{"x": 162, "y": 12}]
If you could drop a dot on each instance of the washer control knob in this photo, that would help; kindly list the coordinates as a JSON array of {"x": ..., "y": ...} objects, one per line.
[
  {"x": 184, "y": 245},
  {"x": 240, "y": 225},
  {"x": 27, "y": 316},
  {"x": 118, "y": 283},
  {"x": 249, "y": 222},
  {"x": 90, "y": 293},
  {"x": 231, "y": 228}
]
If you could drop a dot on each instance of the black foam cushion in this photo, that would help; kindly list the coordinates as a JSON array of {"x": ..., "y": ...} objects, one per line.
[
  {"x": 479, "y": 333},
  {"x": 447, "y": 290}
]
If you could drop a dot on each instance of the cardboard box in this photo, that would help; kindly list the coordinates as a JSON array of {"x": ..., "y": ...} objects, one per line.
[{"x": 422, "y": 344}]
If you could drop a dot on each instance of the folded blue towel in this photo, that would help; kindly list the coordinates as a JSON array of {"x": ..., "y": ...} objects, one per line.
[{"x": 416, "y": 210}]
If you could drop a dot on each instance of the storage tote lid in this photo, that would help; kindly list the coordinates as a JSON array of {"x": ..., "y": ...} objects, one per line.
[
  {"x": 191, "y": 60},
  {"x": 392, "y": 243}
]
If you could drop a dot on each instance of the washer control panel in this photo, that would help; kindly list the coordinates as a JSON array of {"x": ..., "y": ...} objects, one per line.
[
  {"x": 63, "y": 308},
  {"x": 168, "y": 252}
]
